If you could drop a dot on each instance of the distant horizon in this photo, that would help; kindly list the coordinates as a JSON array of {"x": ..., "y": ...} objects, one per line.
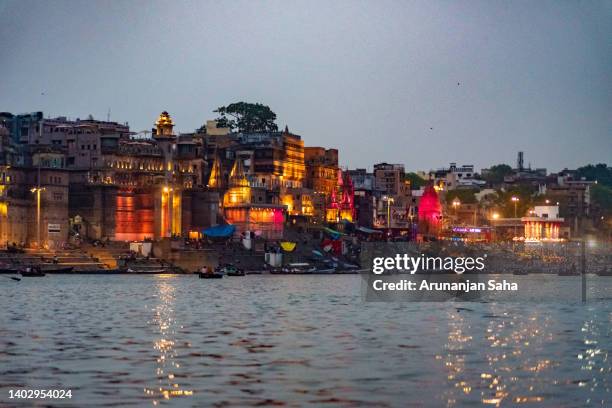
[{"x": 423, "y": 83}]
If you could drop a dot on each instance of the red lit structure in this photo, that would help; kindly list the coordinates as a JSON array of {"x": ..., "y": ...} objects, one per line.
[
  {"x": 430, "y": 212},
  {"x": 342, "y": 201}
]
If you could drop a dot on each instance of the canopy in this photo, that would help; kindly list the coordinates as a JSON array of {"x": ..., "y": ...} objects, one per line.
[
  {"x": 333, "y": 233},
  {"x": 220, "y": 231},
  {"x": 368, "y": 230},
  {"x": 288, "y": 246}
]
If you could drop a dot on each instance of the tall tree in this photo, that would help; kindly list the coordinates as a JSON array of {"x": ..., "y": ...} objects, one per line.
[
  {"x": 496, "y": 173},
  {"x": 599, "y": 172},
  {"x": 247, "y": 117}
]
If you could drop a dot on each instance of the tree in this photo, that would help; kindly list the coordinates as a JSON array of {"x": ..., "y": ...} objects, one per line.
[
  {"x": 247, "y": 117},
  {"x": 600, "y": 172},
  {"x": 496, "y": 174},
  {"x": 416, "y": 182},
  {"x": 465, "y": 196}
]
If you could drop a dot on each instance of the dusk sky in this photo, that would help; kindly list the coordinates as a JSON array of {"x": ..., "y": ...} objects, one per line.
[{"x": 419, "y": 83}]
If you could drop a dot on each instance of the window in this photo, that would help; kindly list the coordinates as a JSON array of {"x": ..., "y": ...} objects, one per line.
[{"x": 58, "y": 196}]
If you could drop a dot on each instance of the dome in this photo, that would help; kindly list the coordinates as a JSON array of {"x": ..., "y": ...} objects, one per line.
[{"x": 164, "y": 119}]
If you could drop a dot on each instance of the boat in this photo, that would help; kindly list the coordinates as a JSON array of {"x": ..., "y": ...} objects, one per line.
[
  {"x": 230, "y": 270},
  {"x": 238, "y": 272},
  {"x": 32, "y": 272},
  {"x": 298, "y": 268},
  {"x": 57, "y": 269},
  {"x": 604, "y": 272},
  {"x": 325, "y": 271},
  {"x": 210, "y": 275}
]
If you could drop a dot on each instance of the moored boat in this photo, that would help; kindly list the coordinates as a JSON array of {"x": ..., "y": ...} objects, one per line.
[
  {"x": 210, "y": 275},
  {"x": 57, "y": 269},
  {"x": 30, "y": 272},
  {"x": 230, "y": 270}
]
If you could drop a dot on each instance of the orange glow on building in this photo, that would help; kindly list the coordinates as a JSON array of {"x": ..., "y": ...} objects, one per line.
[
  {"x": 176, "y": 213},
  {"x": 266, "y": 220},
  {"x": 134, "y": 216}
]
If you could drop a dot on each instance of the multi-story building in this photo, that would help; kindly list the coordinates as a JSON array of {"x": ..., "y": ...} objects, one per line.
[
  {"x": 321, "y": 177},
  {"x": 455, "y": 177},
  {"x": 389, "y": 178}
]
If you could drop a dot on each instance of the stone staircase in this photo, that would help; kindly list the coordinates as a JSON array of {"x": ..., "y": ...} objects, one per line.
[
  {"x": 109, "y": 254},
  {"x": 76, "y": 259}
]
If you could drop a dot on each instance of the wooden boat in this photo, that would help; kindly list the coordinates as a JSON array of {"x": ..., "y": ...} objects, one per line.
[
  {"x": 211, "y": 275},
  {"x": 32, "y": 272},
  {"x": 147, "y": 271},
  {"x": 238, "y": 272},
  {"x": 231, "y": 270},
  {"x": 57, "y": 269},
  {"x": 604, "y": 272}
]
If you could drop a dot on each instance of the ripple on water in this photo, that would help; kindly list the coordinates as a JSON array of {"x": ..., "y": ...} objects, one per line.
[{"x": 293, "y": 341}]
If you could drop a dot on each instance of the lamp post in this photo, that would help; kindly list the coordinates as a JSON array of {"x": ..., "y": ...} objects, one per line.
[
  {"x": 37, "y": 191},
  {"x": 494, "y": 216},
  {"x": 456, "y": 203},
  {"x": 515, "y": 199},
  {"x": 389, "y": 200}
]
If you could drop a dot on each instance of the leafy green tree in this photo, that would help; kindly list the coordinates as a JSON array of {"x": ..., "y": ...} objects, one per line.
[
  {"x": 600, "y": 172},
  {"x": 247, "y": 117},
  {"x": 526, "y": 201},
  {"x": 602, "y": 196},
  {"x": 496, "y": 173},
  {"x": 465, "y": 196},
  {"x": 416, "y": 182}
]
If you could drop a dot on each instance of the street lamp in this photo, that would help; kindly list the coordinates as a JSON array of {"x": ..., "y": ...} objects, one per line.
[
  {"x": 37, "y": 190},
  {"x": 389, "y": 200},
  {"x": 456, "y": 203},
  {"x": 515, "y": 199}
]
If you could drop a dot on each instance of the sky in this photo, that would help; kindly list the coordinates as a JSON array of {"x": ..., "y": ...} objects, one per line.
[{"x": 423, "y": 83}]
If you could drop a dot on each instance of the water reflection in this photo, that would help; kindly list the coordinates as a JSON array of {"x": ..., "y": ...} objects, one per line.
[
  {"x": 511, "y": 339},
  {"x": 458, "y": 342},
  {"x": 164, "y": 321},
  {"x": 593, "y": 359},
  {"x": 294, "y": 340}
]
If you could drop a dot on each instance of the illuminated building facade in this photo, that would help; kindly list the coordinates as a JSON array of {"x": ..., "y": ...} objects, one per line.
[
  {"x": 263, "y": 219},
  {"x": 342, "y": 201},
  {"x": 321, "y": 177},
  {"x": 122, "y": 185},
  {"x": 542, "y": 224},
  {"x": 33, "y": 195}
]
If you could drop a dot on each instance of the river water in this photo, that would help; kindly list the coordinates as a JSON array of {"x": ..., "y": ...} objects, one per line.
[{"x": 293, "y": 341}]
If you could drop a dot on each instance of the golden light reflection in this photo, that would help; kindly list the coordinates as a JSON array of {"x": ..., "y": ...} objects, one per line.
[
  {"x": 164, "y": 321},
  {"x": 454, "y": 362}
]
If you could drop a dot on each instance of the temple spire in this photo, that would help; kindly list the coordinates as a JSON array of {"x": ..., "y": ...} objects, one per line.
[
  {"x": 237, "y": 176},
  {"x": 214, "y": 181}
]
